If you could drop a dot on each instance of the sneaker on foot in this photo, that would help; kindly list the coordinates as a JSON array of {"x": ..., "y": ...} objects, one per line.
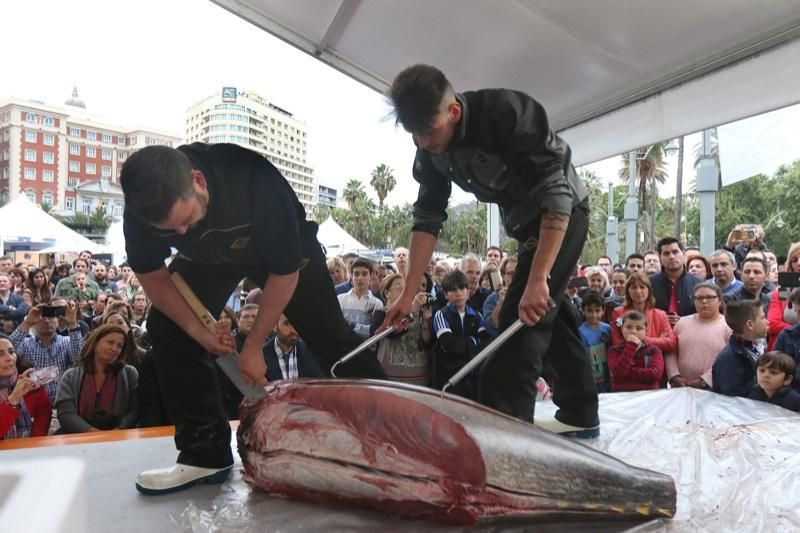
[
  {"x": 556, "y": 426},
  {"x": 178, "y": 477}
]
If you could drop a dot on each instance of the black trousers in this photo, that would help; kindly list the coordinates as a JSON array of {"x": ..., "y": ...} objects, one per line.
[
  {"x": 509, "y": 378},
  {"x": 188, "y": 382}
]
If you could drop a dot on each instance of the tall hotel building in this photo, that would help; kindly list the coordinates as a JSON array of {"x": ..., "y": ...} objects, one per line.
[
  {"x": 62, "y": 156},
  {"x": 249, "y": 120}
]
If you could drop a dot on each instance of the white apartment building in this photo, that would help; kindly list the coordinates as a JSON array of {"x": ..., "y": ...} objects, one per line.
[{"x": 249, "y": 120}]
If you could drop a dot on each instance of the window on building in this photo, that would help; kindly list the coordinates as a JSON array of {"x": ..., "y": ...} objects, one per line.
[
  {"x": 31, "y": 196},
  {"x": 91, "y": 135},
  {"x": 121, "y": 156},
  {"x": 74, "y": 132},
  {"x": 91, "y": 168},
  {"x": 6, "y": 154},
  {"x": 30, "y": 155},
  {"x": 106, "y": 138},
  {"x": 48, "y": 175},
  {"x": 30, "y": 136},
  {"x": 30, "y": 173},
  {"x": 121, "y": 140},
  {"x": 30, "y": 117},
  {"x": 106, "y": 154},
  {"x": 48, "y": 121},
  {"x": 48, "y": 157},
  {"x": 69, "y": 204},
  {"x": 116, "y": 209},
  {"x": 6, "y": 135},
  {"x": 91, "y": 151},
  {"x": 72, "y": 182},
  {"x": 86, "y": 206},
  {"x": 47, "y": 198},
  {"x": 74, "y": 149},
  {"x": 74, "y": 166},
  {"x": 106, "y": 171},
  {"x": 49, "y": 139}
]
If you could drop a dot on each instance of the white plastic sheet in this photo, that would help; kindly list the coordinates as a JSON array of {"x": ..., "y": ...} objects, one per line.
[{"x": 735, "y": 463}]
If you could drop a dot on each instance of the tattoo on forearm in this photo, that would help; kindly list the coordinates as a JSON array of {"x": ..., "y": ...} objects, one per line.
[{"x": 555, "y": 221}]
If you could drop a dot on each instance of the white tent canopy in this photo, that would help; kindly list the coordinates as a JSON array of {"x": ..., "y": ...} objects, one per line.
[
  {"x": 613, "y": 75},
  {"x": 336, "y": 240},
  {"x": 23, "y": 222}
]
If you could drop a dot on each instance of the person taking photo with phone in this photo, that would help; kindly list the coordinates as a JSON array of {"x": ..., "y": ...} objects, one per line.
[{"x": 45, "y": 347}]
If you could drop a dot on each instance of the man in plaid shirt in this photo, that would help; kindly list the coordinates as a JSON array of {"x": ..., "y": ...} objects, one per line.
[{"x": 47, "y": 348}]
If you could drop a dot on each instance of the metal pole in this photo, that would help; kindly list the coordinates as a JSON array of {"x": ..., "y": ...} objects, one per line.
[
  {"x": 707, "y": 188},
  {"x": 612, "y": 237},
  {"x": 631, "y": 207},
  {"x": 492, "y": 225}
]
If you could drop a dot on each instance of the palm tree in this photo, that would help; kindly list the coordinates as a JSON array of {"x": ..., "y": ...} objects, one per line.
[
  {"x": 382, "y": 180},
  {"x": 100, "y": 220},
  {"x": 353, "y": 191},
  {"x": 46, "y": 207},
  {"x": 650, "y": 171},
  {"x": 679, "y": 190}
]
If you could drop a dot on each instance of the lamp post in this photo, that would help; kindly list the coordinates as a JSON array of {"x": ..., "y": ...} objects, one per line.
[
  {"x": 631, "y": 207},
  {"x": 612, "y": 237},
  {"x": 707, "y": 188}
]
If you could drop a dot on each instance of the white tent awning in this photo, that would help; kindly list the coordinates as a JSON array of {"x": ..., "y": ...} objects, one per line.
[
  {"x": 612, "y": 75},
  {"x": 336, "y": 240},
  {"x": 22, "y": 221}
]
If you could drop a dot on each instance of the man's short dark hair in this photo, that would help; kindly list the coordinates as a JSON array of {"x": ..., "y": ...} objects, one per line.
[
  {"x": 6, "y": 258},
  {"x": 779, "y": 361},
  {"x": 666, "y": 241},
  {"x": 633, "y": 256},
  {"x": 362, "y": 263},
  {"x": 454, "y": 280},
  {"x": 604, "y": 257},
  {"x": 753, "y": 259},
  {"x": 81, "y": 259},
  {"x": 634, "y": 314},
  {"x": 416, "y": 95},
  {"x": 247, "y": 307},
  {"x": 494, "y": 248},
  {"x": 153, "y": 179},
  {"x": 86, "y": 252},
  {"x": 592, "y": 299},
  {"x": 739, "y": 312}
]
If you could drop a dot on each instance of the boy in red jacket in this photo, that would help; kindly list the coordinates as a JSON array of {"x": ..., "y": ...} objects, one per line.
[{"x": 634, "y": 364}]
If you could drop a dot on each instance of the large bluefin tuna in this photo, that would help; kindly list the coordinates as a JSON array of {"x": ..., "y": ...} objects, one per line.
[{"x": 405, "y": 450}]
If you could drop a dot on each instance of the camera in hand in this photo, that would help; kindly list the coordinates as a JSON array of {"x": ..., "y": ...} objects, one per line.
[
  {"x": 430, "y": 299},
  {"x": 786, "y": 282},
  {"x": 50, "y": 311}
]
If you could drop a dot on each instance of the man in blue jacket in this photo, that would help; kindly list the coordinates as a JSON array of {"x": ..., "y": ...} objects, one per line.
[{"x": 287, "y": 356}]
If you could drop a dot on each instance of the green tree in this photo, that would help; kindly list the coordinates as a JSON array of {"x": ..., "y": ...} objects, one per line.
[
  {"x": 650, "y": 172},
  {"x": 353, "y": 191},
  {"x": 47, "y": 207},
  {"x": 383, "y": 181},
  {"x": 465, "y": 231}
]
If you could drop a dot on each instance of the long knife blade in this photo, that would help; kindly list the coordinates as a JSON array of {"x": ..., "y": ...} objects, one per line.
[{"x": 228, "y": 363}]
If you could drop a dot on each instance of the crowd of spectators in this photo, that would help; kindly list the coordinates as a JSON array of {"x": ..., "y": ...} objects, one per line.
[{"x": 73, "y": 346}]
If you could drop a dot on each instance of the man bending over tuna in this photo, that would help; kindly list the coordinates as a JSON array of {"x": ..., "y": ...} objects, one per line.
[
  {"x": 230, "y": 214},
  {"x": 497, "y": 143}
]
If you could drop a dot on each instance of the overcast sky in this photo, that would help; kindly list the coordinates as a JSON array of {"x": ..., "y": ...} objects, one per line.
[{"x": 145, "y": 62}]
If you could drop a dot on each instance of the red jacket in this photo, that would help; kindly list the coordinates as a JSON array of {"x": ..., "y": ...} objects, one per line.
[
  {"x": 635, "y": 368},
  {"x": 775, "y": 319},
  {"x": 38, "y": 405},
  {"x": 659, "y": 332}
]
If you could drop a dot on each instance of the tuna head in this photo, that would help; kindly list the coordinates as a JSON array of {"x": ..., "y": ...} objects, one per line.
[{"x": 406, "y": 450}]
